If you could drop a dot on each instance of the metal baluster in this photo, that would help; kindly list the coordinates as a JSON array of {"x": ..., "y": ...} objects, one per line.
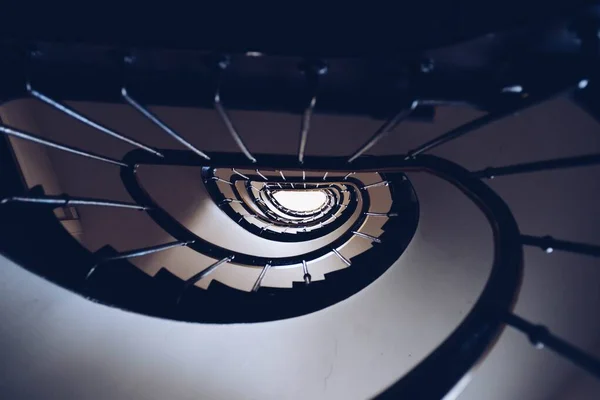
[
  {"x": 202, "y": 274},
  {"x": 541, "y": 337},
  {"x": 486, "y": 119},
  {"x": 261, "y": 175},
  {"x": 549, "y": 244},
  {"x": 348, "y": 175},
  {"x": 148, "y": 114},
  {"x": 59, "y": 201},
  {"x": 278, "y": 184},
  {"x": 261, "y": 277},
  {"x": 264, "y": 228},
  {"x": 137, "y": 253},
  {"x": 239, "y": 173},
  {"x": 221, "y": 65},
  {"x": 386, "y": 128},
  {"x": 282, "y": 176},
  {"x": 231, "y": 128},
  {"x": 325, "y": 176},
  {"x": 341, "y": 257},
  {"x": 365, "y": 236},
  {"x": 569, "y": 162},
  {"x": 247, "y": 215},
  {"x": 307, "y": 277},
  {"x": 36, "y": 139},
  {"x": 312, "y": 71},
  {"x": 216, "y": 178},
  {"x": 227, "y": 201},
  {"x": 147, "y": 250},
  {"x": 376, "y": 214},
  {"x": 82, "y": 118},
  {"x": 304, "y": 178},
  {"x": 382, "y": 183}
]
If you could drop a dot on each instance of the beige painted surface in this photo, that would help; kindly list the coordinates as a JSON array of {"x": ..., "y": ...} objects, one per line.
[
  {"x": 181, "y": 192},
  {"x": 36, "y": 166},
  {"x": 58, "y": 345}
]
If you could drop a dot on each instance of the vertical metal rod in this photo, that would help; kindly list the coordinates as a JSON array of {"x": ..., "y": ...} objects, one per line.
[
  {"x": 69, "y": 201},
  {"x": 541, "y": 337},
  {"x": 261, "y": 175},
  {"x": 202, "y": 274},
  {"x": 365, "y": 236},
  {"x": 239, "y": 173},
  {"x": 386, "y": 128},
  {"x": 282, "y": 176},
  {"x": 207, "y": 271},
  {"x": 549, "y": 244},
  {"x": 348, "y": 175},
  {"x": 227, "y": 201},
  {"x": 147, "y": 250},
  {"x": 325, "y": 176},
  {"x": 376, "y": 184},
  {"x": 36, "y": 139},
  {"x": 376, "y": 214},
  {"x": 231, "y": 128},
  {"x": 312, "y": 71},
  {"x": 305, "y": 127},
  {"x": 144, "y": 111},
  {"x": 341, "y": 257},
  {"x": 244, "y": 216},
  {"x": 261, "y": 277},
  {"x": 216, "y": 178},
  {"x": 264, "y": 228},
  {"x": 307, "y": 277},
  {"x": 278, "y": 184},
  {"x": 559, "y": 163},
  {"x": 137, "y": 253},
  {"x": 487, "y": 119},
  {"x": 220, "y": 66},
  {"x": 82, "y": 118}
]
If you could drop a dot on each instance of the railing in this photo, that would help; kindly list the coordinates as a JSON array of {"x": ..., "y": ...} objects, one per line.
[
  {"x": 27, "y": 218},
  {"x": 267, "y": 218}
]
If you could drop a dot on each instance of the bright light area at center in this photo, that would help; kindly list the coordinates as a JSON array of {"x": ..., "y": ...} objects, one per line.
[{"x": 301, "y": 200}]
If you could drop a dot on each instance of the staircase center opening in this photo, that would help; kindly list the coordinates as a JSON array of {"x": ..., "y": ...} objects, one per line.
[{"x": 301, "y": 200}]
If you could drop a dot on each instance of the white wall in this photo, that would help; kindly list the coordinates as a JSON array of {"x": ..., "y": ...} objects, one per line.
[{"x": 58, "y": 345}]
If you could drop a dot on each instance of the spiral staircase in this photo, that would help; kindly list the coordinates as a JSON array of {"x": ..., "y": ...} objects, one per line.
[{"x": 168, "y": 223}]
